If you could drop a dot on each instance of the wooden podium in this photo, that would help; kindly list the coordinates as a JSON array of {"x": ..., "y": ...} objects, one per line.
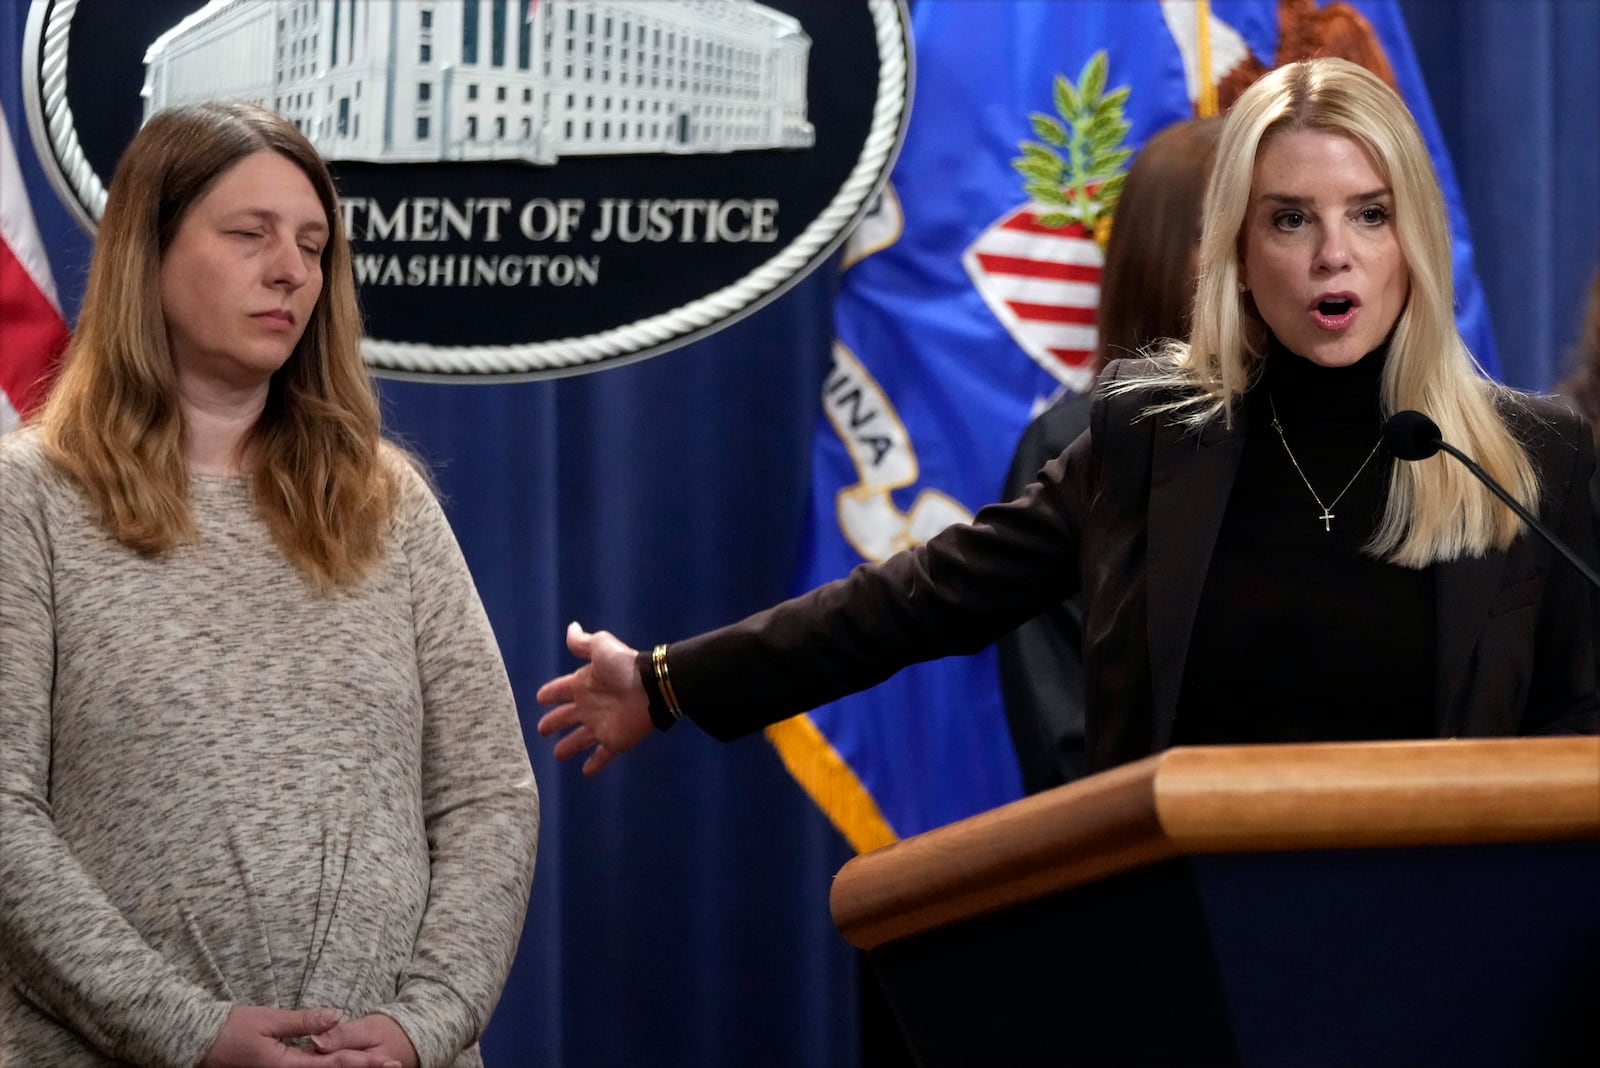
[{"x": 1378, "y": 904}]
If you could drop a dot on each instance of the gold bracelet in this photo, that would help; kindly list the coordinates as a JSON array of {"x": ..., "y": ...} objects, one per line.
[{"x": 658, "y": 658}]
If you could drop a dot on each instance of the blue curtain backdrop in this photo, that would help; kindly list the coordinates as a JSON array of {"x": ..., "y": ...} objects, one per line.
[
  {"x": 679, "y": 913},
  {"x": 1514, "y": 85}
]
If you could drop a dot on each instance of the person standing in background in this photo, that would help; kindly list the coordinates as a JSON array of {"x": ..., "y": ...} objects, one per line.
[{"x": 1582, "y": 384}]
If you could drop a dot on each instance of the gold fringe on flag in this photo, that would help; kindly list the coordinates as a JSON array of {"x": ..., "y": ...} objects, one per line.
[
  {"x": 833, "y": 786},
  {"x": 1206, "y": 106}
]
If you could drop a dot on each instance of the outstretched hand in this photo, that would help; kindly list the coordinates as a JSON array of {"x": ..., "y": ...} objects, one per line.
[{"x": 602, "y": 706}]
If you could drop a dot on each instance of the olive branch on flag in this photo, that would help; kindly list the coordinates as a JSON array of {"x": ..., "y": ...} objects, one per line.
[{"x": 1078, "y": 170}]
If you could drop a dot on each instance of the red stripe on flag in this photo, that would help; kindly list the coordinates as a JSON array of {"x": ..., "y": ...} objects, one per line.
[
  {"x": 1073, "y": 357},
  {"x": 1052, "y": 313},
  {"x": 1028, "y": 223},
  {"x": 32, "y": 335},
  {"x": 1021, "y": 265}
]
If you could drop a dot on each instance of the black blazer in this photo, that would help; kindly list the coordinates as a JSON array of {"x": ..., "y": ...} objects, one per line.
[{"x": 1129, "y": 514}]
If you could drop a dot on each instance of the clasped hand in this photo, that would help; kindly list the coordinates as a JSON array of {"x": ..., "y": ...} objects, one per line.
[
  {"x": 602, "y": 705},
  {"x": 254, "y": 1036}
]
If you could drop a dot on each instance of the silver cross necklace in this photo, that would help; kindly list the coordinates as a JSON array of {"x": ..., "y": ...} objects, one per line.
[{"x": 1327, "y": 509}]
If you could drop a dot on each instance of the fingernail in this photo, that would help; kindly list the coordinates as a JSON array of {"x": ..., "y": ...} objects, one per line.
[{"x": 316, "y": 1040}]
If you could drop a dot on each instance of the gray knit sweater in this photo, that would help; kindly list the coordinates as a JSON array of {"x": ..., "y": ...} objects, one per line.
[{"x": 218, "y": 787}]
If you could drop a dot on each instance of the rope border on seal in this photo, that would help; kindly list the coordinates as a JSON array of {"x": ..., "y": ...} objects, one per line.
[{"x": 47, "y": 101}]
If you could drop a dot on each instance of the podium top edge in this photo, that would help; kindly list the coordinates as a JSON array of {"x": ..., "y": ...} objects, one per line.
[{"x": 1219, "y": 799}]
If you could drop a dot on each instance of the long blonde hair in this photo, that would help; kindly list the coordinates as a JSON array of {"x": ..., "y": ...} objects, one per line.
[
  {"x": 1435, "y": 510},
  {"x": 324, "y": 482}
]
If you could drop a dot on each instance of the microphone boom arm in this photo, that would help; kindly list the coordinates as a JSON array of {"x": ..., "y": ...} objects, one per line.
[{"x": 1527, "y": 517}]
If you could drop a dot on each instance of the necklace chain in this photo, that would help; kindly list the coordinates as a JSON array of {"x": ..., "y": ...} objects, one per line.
[{"x": 1327, "y": 509}]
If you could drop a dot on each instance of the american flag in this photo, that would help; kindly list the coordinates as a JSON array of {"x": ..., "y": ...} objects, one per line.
[{"x": 33, "y": 332}]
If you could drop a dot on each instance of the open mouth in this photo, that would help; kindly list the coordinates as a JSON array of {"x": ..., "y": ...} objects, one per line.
[{"x": 1334, "y": 307}]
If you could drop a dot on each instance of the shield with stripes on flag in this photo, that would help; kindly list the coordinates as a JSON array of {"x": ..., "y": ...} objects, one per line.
[
  {"x": 1038, "y": 266},
  {"x": 1043, "y": 283}
]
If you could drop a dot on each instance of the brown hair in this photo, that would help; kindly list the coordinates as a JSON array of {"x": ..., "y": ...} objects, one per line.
[
  {"x": 1148, "y": 280},
  {"x": 322, "y": 481},
  {"x": 1582, "y": 386}
]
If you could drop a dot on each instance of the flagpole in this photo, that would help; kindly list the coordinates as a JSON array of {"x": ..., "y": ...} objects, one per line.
[{"x": 1206, "y": 105}]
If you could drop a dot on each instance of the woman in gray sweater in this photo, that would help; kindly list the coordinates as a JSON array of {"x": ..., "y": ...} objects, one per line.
[{"x": 264, "y": 796}]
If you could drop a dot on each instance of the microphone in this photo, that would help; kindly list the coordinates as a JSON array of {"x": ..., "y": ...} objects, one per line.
[{"x": 1413, "y": 436}]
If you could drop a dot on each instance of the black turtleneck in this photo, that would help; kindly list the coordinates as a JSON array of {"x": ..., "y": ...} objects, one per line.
[{"x": 1299, "y": 636}]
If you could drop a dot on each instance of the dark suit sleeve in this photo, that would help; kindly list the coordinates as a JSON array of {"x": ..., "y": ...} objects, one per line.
[
  {"x": 955, "y": 594},
  {"x": 1045, "y": 438}
]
